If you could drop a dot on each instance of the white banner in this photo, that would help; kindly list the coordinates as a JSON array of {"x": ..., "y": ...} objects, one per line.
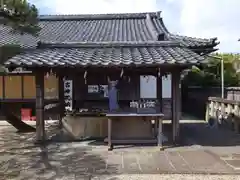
[
  {"x": 68, "y": 94},
  {"x": 167, "y": 86}
]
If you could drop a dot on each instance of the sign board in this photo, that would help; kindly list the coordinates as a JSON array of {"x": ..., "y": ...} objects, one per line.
[
  {"x": 101, "y": 90},
  {"x": 93, "y": 89},
  {"x": 68, "y": 94},
  {"x": 104, "y": 90}
]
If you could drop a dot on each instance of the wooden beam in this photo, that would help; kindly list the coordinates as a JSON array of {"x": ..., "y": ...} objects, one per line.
[
  {"x": 155, "y": 127},
  {"x": 180, "y": 99},
  {"x": 160, "y": 136},
  {"x": 3, "y": 87},
  {"x": 110, "y": 146},
  {"x": 176, "y": 92},
  {"x": 159, "y": 91},
  {"x": 40, "y": 125},
  {"x": 134, "y": 141},
  {"x": 61, "y": 98},
  {"x": 159, "y": 98}
]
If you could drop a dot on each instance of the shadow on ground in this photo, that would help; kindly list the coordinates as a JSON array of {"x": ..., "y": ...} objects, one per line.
[
  {"x": 21, "y": 159},
  {"x": 65, "y": 136},
  {"x": 196, "y": 132},
  {"x": 201, "y": 134}
]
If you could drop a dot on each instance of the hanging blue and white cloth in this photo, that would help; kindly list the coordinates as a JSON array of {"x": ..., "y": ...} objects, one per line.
[{"x": 112, "y": 95}]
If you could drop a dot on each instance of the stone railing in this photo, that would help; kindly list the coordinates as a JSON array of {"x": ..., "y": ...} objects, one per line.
[
  {"x": 233, "y": 93},
  {"x": 223, "y": 112}
]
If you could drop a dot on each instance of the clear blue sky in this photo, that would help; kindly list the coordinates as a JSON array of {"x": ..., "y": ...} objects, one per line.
[{"x": 198, "y": 18}]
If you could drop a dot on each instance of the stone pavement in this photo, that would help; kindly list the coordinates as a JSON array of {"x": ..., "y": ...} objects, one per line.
[
  {"x": 222, "y": 142},
  {"x": 20, "y": 159},
  {"x": 172, "y": 177},
  {"x": 77, "y": 160}
]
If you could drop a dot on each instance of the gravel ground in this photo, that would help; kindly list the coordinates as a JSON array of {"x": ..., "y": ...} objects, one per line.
[{"x": 171, "y": 177}]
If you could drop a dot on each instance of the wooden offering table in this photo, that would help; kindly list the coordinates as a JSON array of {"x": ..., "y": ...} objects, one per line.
[{"x": 142, "y": 122}]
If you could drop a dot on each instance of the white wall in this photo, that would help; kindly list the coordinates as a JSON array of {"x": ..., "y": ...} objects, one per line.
[
  {"x": 148, "y": 87},
  {"x": 167, "y": 86}
]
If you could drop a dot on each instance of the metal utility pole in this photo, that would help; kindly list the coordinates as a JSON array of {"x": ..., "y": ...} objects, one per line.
[{"x": 222, "y": 76}]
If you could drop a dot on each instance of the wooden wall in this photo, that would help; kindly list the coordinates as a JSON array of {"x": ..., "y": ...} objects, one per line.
[
  {"x": 128, "y": 90},
  {"x": 23, "y": 87},
  {"x": 1, "y": 85},
  {"x": 51, "y": 87},
  {"x": 13, "y": 87},
  {"x": 82, "y": 127},
  {"x": 29, "y": 87}
]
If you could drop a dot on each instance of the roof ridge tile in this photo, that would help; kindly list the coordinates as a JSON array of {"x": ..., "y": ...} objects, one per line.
[
  {"x": 62, "y": 17},
  {"x": 108, "y": 44},
  {"x": 131, "y": 27}
]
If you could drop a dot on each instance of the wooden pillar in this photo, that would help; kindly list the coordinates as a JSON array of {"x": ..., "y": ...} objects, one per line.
[
  {"x": 159, "y": 98},
  {"x": 236, "y": 119},
  {"x": 159, "y": 91},
  {"x": 176, "y": 92},
  {"x": 110, "y": 146},
  {"x": 160, "y": 136},
  {"x": 155, "y": 127},
  {"x": 180, "y": 97},
  {"x": 40, "y": 126},
  {"x": 3, "y": 87},
  {"x": 61, "y": 99}
]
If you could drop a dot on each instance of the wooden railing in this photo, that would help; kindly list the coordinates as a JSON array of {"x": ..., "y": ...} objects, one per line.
[{"x": 223, "y": 112}]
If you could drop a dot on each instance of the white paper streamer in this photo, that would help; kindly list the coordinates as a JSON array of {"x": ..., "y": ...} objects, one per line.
[
  {"x": 121, "y": 73},
  {"x": 159, "y": 74},
  {"x": 85, "y": 77},
  {"x": 85, "y": 74},
  {"x": 147, "y": 78},
  {"x": 47, "y": 75}
]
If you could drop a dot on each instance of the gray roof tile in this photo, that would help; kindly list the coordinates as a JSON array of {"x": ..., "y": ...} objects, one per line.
[
  {"x": 99, "y": 28},
  {"x": 97, "y": 54},
  {"x": 184, "y": 40}
]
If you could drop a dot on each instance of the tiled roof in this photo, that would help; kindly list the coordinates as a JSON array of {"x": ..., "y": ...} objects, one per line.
[
  {"x": 184, "y": 40},
  {"x": 100, "y": 28},
  {"x": 105, "y": 54}
]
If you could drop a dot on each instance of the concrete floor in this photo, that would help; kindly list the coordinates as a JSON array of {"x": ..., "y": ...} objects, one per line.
[
  {"x": 21, "y": 159},
  {"x": 81, "y": 160}
]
